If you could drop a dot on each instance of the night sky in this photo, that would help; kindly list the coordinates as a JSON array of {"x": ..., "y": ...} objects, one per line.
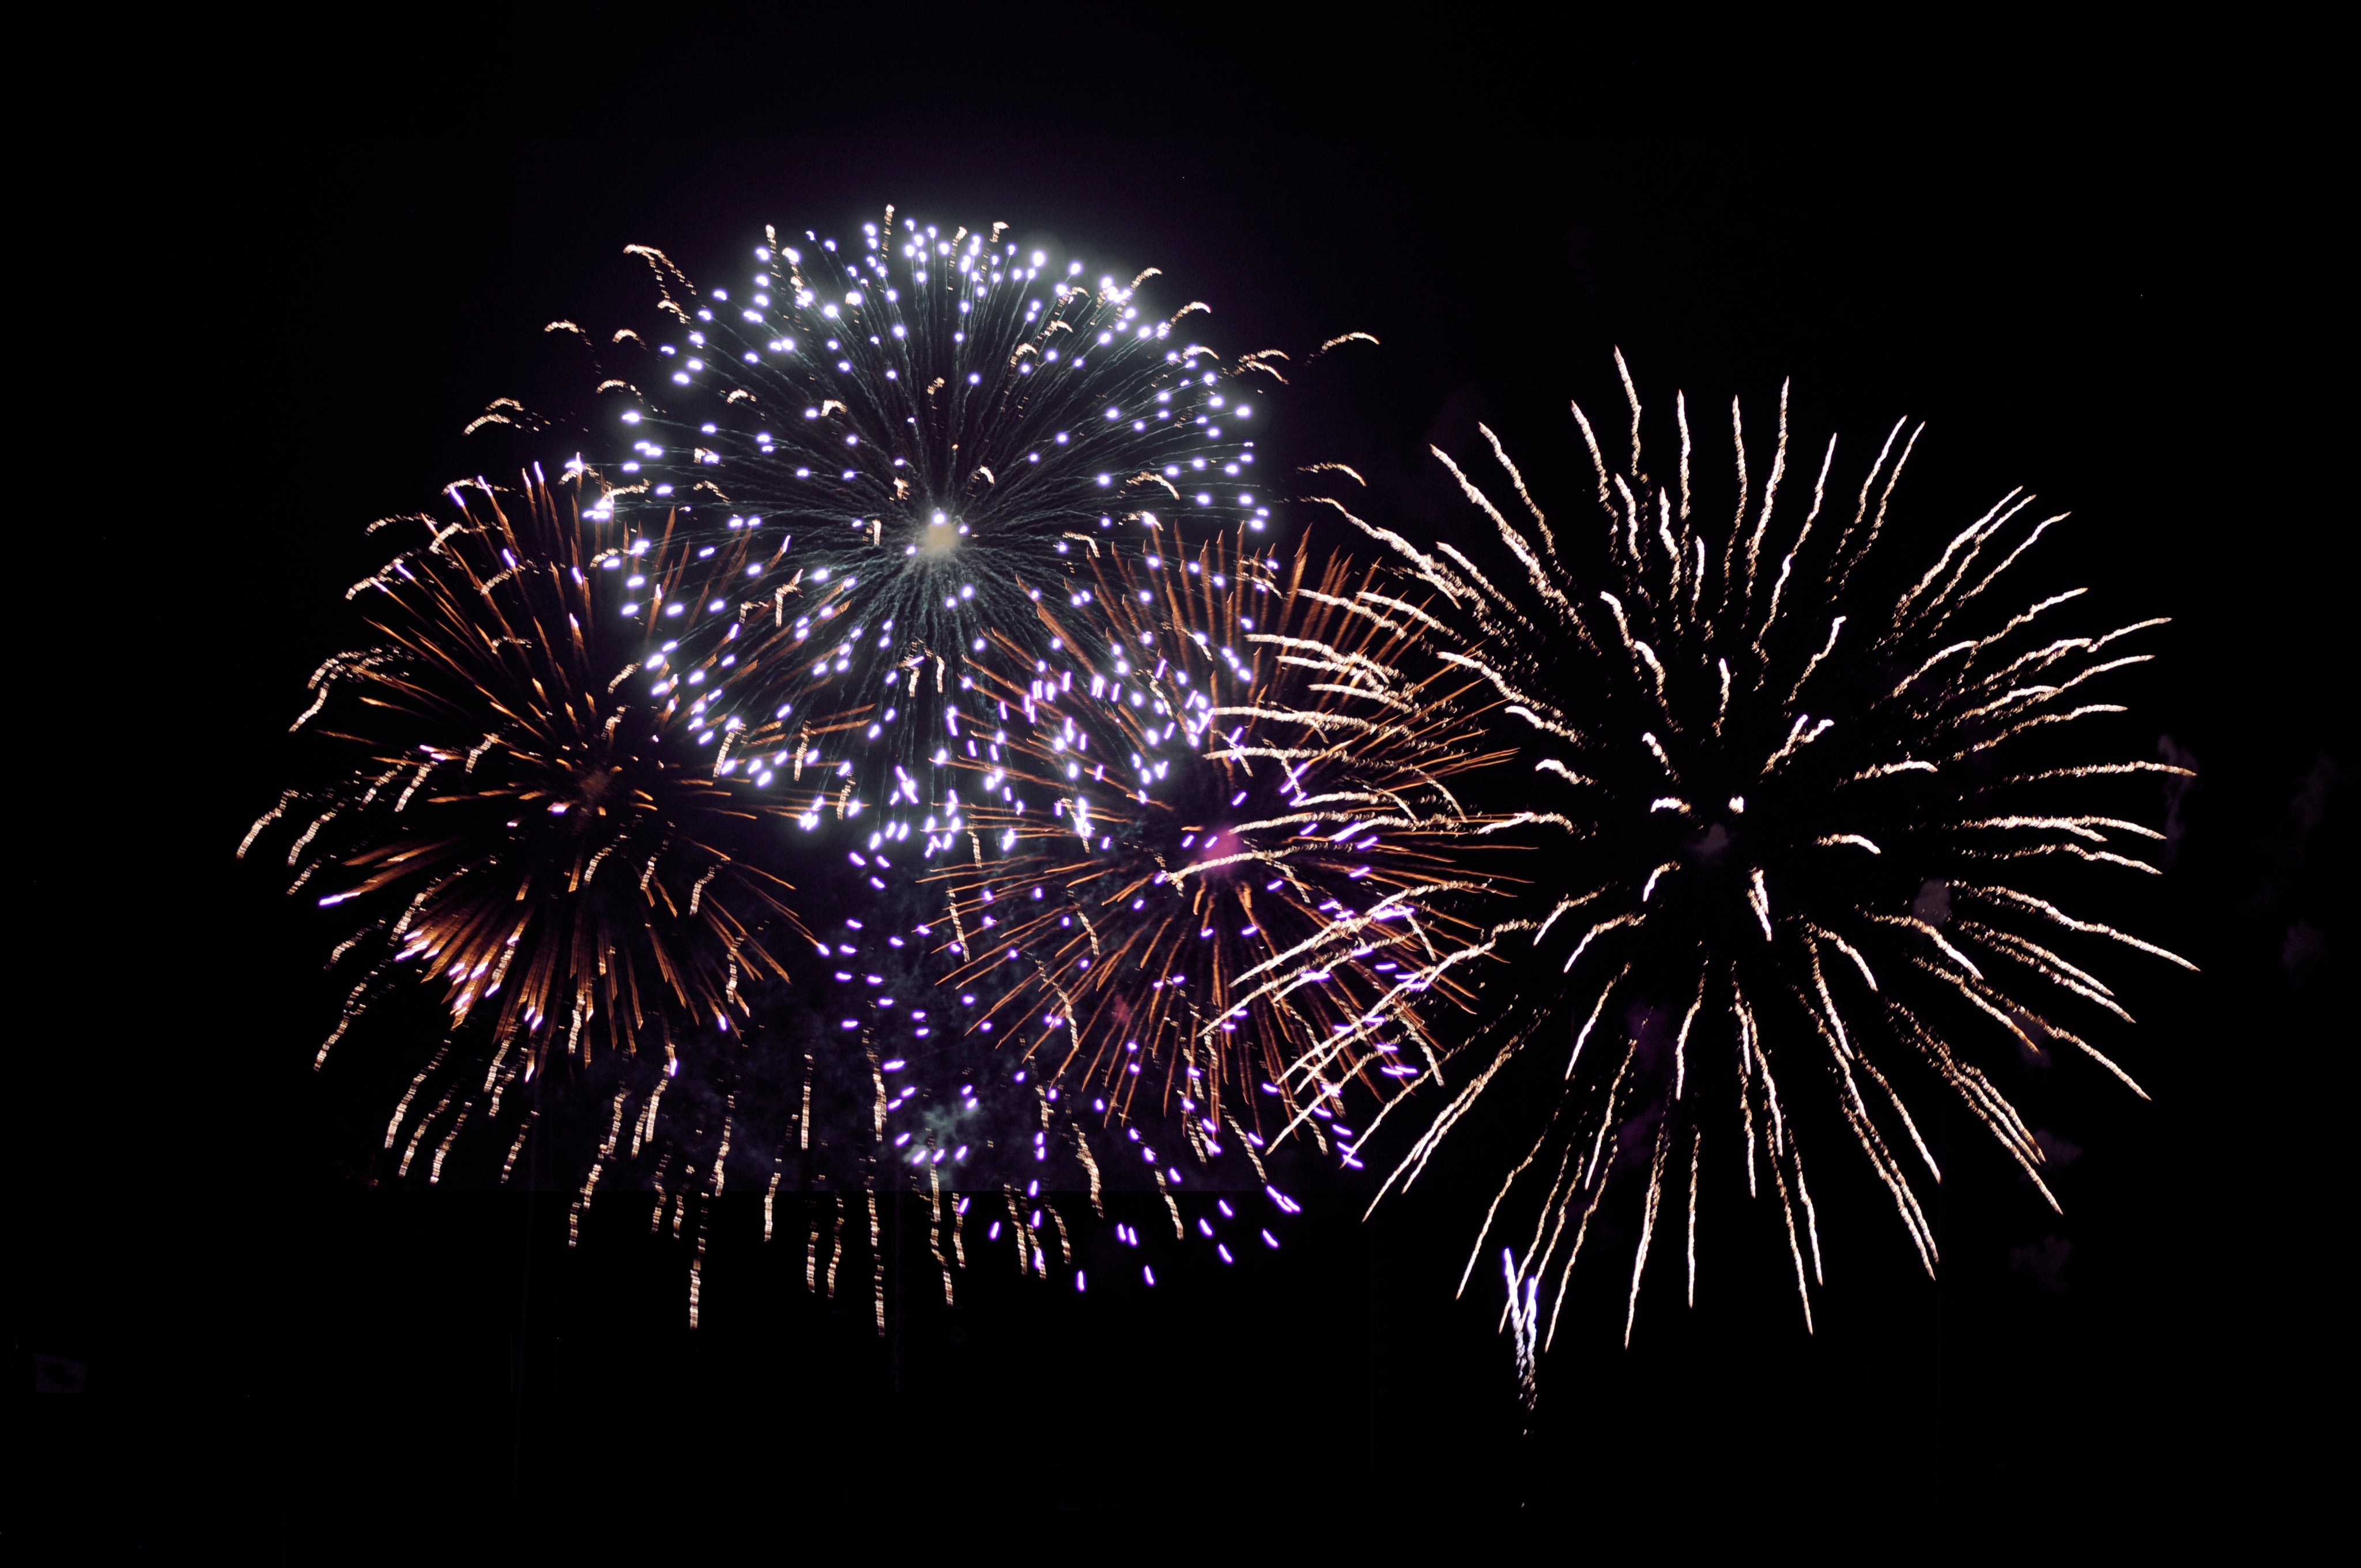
[{"x": 286, "y": 348}]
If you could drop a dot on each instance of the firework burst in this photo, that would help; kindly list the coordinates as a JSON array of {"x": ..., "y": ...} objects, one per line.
[
  {"x": 520, "y": 830},
  {"x": 1226, "y": 837},
  {"x": 1809, "y": 836},
  {"x": 900, "y": 443}
]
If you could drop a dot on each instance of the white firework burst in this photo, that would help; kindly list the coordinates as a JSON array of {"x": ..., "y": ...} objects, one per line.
[{"x": 1807, "y": 843}]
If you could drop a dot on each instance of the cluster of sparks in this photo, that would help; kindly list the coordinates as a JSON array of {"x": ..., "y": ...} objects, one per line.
[
  {"x": 1219, "y": 893},
  {"x": 941, "y": 576},
  {"x": 762, "y": 618}
]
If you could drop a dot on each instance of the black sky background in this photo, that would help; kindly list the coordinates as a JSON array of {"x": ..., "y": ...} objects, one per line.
[{"x": 280, "y": 341}]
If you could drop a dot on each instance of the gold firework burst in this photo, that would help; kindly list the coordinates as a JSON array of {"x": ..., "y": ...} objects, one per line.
[{"x": 527, "y": 832}]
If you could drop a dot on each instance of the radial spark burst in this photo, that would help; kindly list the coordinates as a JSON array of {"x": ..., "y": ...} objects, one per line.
[
  {"x": 900, "y": 443},
  {"x": 520, "y": 827},
  {"x": 1225, "y": 829},
  {"x": 1809, "y": 836}
]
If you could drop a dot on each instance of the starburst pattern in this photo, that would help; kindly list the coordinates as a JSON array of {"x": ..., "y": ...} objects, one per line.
[
  {"x": 1810, "y": 836},
  {"x": 520, "y": 830},
  {"x": 897, "y": 445}
]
